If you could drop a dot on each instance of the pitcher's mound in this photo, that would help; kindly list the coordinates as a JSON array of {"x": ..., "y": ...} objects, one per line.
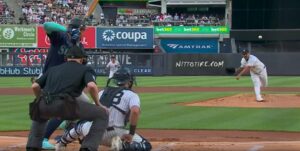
[{"x": 248, "y": 101}]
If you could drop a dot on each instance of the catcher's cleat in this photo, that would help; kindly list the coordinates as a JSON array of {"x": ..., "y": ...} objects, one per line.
[{"x": 116, "y": 144}]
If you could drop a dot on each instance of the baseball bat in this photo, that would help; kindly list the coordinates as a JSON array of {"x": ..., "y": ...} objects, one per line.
[{"x": 91, "y": 8}]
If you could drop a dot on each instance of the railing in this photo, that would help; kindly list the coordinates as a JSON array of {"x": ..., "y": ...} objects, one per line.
[{"x": 28, "y": 64}]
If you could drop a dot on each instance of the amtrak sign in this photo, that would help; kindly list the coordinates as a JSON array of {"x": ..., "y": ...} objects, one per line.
[
  {"x": 190, "y": 45},
  {"x": 125, "y": 38}
]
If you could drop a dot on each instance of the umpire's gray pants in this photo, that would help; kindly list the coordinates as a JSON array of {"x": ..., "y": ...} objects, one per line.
[{"x": 87, "y": 111}]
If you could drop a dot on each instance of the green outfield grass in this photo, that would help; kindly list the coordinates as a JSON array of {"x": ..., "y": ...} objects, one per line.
[
  {"x": 159, "y": 110},
  {"x": 199, "y": 81}
]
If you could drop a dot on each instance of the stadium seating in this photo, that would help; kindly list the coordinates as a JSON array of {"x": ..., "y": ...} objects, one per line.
[
  {"x": 169, "y": 20},
  {"x": 6, "y": 14},
  {"x": 60, "y": 11}
]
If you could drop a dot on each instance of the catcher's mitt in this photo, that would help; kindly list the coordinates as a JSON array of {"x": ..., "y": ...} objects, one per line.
[{"x": 230, "y": 71}]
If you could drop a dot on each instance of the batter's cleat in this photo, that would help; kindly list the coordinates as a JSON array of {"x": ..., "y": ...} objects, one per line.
[
  {"x": 116, "y": 144},
  {"x": 46, "y": 145},
  {"x": 60, "y": 147}
]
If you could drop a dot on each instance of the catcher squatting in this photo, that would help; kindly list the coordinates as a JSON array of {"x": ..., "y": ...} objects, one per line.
[{"x": 124, "y": 106}]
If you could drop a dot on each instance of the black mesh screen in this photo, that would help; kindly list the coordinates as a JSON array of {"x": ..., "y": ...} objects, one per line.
[{"x": 265, "y": 14}]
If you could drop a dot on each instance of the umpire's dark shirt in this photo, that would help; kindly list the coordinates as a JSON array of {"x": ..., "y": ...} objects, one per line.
[
  {"x": 60, "y": 43},
  {"x": 69, "y": 77}
]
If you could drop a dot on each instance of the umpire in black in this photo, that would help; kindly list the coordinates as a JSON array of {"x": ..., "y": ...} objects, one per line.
[{"x": 56, "y": 92}]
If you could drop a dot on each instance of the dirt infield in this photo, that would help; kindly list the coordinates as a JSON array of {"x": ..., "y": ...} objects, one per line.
[
  {"x": 248, "y": 101},
  {"x": 26, "y": 91},
  {"x": 195, "y": 140},
  {"x": 187, "y": 140}
]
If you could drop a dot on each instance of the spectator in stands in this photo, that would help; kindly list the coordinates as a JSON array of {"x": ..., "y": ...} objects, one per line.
[
  {"x": 176, "y": 17},
  {"x": 102, "y": 19},
  {"x": 24, "y": 19},
  {"x": 59, "y": 11}
]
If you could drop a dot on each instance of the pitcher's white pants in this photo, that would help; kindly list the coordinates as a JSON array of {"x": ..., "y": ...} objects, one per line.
[{"x": 259, "y": 80}]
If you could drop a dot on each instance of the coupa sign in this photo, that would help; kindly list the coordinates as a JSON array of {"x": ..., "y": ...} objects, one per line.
[
  {"x": 190, "y": 45},
  {"x": 125, "y": 38}
]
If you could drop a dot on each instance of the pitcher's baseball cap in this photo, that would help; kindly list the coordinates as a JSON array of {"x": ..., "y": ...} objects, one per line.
[{"x": 245, "y": 51}]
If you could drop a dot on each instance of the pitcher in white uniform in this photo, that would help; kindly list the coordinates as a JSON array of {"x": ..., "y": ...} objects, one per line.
[
  {"x": 112, "y": 66},
  {"x": 124, "y": 107},
  {"x": 258, "y": 72}
]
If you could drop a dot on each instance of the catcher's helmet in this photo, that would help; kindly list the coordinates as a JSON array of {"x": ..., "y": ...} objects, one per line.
[{"x": 122, "y": 76}]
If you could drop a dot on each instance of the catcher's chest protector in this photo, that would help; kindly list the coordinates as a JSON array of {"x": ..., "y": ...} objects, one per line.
[
  {"x": 108, "y": 99},
  {"x": 109, "y": 93}
]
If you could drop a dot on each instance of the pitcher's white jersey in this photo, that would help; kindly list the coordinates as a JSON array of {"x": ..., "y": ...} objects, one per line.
[
  {"x": 124, "y": 100},
  {"x": 256, "y": 66},
  {"x": 258, "y": 74}
]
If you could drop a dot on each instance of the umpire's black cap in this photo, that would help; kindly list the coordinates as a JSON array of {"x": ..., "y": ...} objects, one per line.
[{"x": 76, "y": 52}]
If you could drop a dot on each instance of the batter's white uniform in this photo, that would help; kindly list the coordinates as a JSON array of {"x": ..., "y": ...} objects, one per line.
[
  {"x": 113, "y": 67},
  {"x": 128, "y": 99},
  {"x": 258, "y": 74}
]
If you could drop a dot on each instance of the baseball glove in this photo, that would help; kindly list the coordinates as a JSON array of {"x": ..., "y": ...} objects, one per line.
[{"x": 230, "y": 71}]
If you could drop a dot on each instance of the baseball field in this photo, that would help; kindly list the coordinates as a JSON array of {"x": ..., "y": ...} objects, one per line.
[{"x": 196, "y": 113}]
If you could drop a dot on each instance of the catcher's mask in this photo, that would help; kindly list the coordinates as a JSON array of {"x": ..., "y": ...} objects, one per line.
[{"x": 121, "y": 77}]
